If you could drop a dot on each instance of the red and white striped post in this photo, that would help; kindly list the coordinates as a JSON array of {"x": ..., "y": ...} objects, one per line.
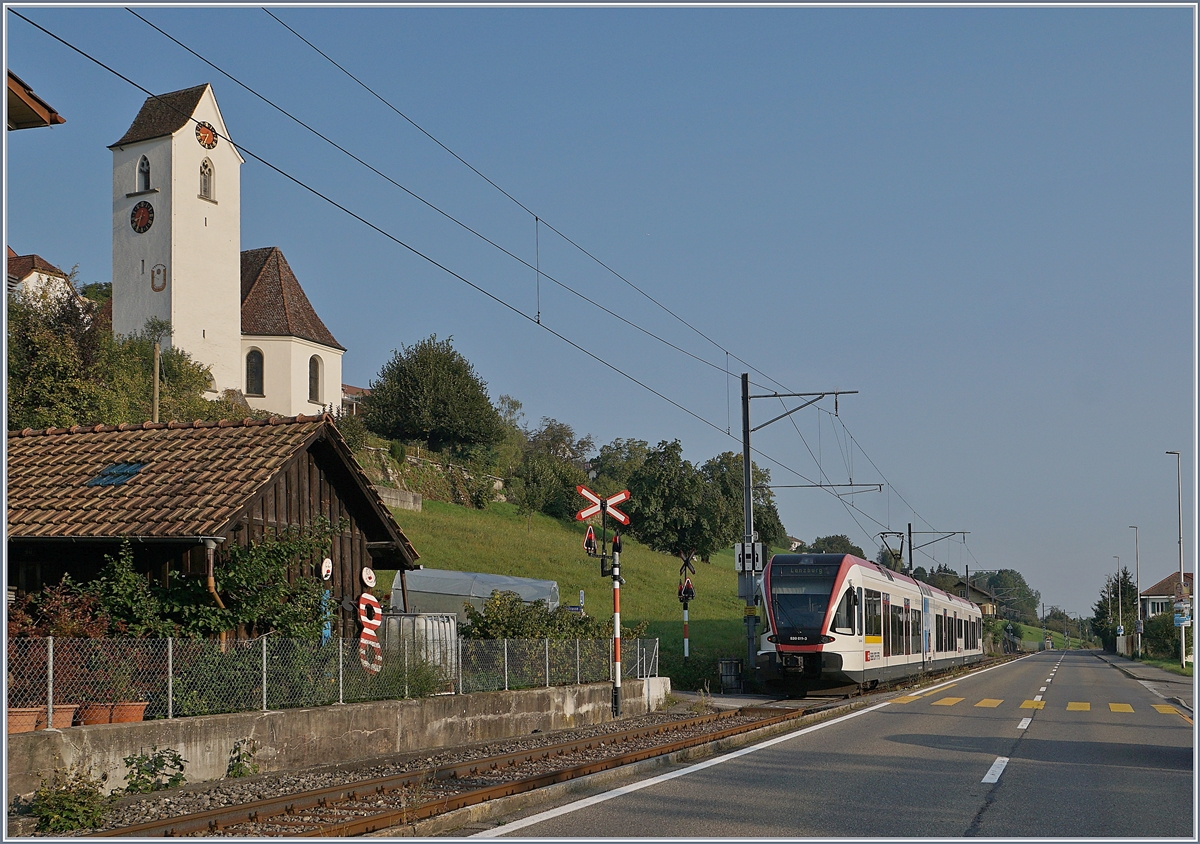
[{"x": 616, "y": 581}]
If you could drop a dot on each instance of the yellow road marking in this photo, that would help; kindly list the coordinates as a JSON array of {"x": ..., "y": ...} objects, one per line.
[
  {"x": 1170, "y": 710},
  {"x": 1120, "y": 707},
  {"x": 947, "y": 701},
  {"x": 1075, "y": 706},
  {"x": 1034, "y": 704},
  {"x": 989, "y": 702},
  {"x": 906, "y": 699}
]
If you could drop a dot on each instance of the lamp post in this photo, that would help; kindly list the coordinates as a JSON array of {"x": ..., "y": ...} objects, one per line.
[
  {"x": 1120, "y": 619},
  {"x": 1182, "y": 582},
  {"x": 1137, "y": 557}
]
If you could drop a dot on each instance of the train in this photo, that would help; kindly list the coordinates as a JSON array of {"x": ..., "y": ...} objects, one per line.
[{"x": 848, "y": 621}]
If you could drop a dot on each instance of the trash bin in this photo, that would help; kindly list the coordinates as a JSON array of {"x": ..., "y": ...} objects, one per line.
[{"x": 731, "y": 674}]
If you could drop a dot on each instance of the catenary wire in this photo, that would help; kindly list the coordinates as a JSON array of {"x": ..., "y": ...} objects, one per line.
[
  {"x": 468, "y": 165},
  {"x": 298, "y": 182},
  {"x": 539, "y": 274}
]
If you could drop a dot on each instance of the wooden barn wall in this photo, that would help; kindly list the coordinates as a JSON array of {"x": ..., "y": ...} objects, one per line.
[{"x": 302, "y": 493}]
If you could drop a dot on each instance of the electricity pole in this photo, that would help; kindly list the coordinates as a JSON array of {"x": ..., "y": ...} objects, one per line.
[
  {"x": 1137, "y": 557},
  {"x": 751, "y": 553},
  {"x": 1182, "y": 582}
]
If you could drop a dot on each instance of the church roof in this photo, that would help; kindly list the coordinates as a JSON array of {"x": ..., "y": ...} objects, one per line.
[
  {"x": 164, "y": 114},
  {"x": 273, "y": 302}
]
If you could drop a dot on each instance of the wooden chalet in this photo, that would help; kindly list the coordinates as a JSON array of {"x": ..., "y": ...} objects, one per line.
[{"x": 180, "y": 492}]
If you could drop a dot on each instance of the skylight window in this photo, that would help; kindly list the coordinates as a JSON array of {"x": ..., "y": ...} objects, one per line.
[{"x": 116, "y": 474}]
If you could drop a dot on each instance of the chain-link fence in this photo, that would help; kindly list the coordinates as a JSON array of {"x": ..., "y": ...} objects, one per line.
[{"x": 90, "y": 681}]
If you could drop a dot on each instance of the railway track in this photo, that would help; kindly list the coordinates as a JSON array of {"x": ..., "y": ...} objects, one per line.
[{"x": 371, "y": 805}]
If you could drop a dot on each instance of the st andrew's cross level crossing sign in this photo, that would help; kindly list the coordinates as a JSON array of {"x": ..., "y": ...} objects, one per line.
[{"x": 606, "y": 504}]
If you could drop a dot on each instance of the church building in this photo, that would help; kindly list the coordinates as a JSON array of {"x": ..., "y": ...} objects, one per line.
[{"x": 177, "y": 257}]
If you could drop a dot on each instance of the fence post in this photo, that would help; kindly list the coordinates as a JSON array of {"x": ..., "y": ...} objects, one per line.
[
  {"x": 341, "y": 699},
  {"x": 577, "y": 679},
  {"x": 458, "y": 662},
  {"x": 404, "y": 644},
  {"x": 264, "y": 672},
  {"x": 547, "y": 662},
  {"x": 170, "y": 677},
  {"x": 506, "y": 665},
  {"x": 49, "y": 682}
]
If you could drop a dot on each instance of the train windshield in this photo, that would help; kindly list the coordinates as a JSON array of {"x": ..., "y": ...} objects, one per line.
[{"x": 800, "y": 595}]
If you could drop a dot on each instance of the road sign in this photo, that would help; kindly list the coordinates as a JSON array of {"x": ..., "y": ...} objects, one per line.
[
  {"x": 574, "y": 609},
  {"x": 581, "y": 597},
  {"x": 589, "y": 542},
  {"x": 599, "y": 504},
  {"x": 1182, "y": 620},
  {"x": 1120, "y": 630}
]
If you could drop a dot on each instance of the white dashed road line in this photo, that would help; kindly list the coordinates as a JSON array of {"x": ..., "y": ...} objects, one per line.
[{"x": 996, "y": 770}]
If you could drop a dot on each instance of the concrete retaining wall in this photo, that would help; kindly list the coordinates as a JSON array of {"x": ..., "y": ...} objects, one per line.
[
  {"x": 300, "y": 738},
  {"x": 401, "y": 499}
]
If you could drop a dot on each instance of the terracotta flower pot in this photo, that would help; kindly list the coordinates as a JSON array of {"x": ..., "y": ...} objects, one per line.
[
  {"x": 24, "y": 719},
  {"x": 127, "y": 712},
  {"x": 64, "y": 716},
  {"x": 95, "y": 713}
]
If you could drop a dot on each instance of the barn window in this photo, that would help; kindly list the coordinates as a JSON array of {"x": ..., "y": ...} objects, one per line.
[
  {"x": 314, "y": 379},
  {"x": 254, "y": 373},
  {"x": 207, "y": 180},
  {"x": 143, "y": 174}
]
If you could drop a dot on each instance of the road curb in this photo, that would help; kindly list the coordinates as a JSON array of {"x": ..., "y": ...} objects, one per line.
[{"x": 482, "y": 816}]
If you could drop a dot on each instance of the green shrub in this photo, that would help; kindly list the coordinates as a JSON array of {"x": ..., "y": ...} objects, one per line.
[
  {"x": 154, "y": 771},
  {"x": 69, "y": 801},
  {"x": 241, "y": 759}
]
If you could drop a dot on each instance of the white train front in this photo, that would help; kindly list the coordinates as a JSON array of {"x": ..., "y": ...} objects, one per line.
[{"x": 852, "y": 621}]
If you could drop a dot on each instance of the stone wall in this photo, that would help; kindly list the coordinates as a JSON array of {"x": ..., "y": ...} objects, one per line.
[{"x": 300, "y": 738}]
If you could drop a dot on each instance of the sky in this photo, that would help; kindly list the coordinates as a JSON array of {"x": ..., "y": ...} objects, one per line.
[{"x": 980, "y": 219}]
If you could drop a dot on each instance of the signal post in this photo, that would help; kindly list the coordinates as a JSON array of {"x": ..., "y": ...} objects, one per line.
[{"x": 606, "y": 507}]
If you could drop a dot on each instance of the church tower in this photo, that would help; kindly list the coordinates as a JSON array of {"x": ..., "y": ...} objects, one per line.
[{"x": 176, "y": 229}]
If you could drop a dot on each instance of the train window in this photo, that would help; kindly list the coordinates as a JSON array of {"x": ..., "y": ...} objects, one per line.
[
  {"x": 858, "y": 611},
  {"x": 843, "y": 617},
  {"x": 873, "y": 623},
  {"x": 958, "y": 628},
  {"x": 914, "y": 620},
  {"x": 938, "y": 640}
]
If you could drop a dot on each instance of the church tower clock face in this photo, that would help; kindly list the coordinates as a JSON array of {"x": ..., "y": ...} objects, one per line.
[
  {"x": 206, "y": 135},
  {"x": 142, "y": 217}
]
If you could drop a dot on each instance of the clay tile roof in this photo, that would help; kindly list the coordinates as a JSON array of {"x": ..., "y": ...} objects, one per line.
[
  {"x": 164, "y": 114},
  {"x": 274, "y": 304},
  {"x": 1166, "y": 586},
  {"x": 192, "y": 477},
  {"x": 20, "y": 266}
]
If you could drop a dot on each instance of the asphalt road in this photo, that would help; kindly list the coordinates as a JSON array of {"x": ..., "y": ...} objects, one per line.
[{"x": 1058, "y": 744}]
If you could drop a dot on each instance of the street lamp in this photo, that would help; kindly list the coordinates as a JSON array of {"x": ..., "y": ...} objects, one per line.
[
  {"x": 1120, "y": 619},
  {"x": 1182, "y": 583},
  {"x": 1138, "y": 567}
]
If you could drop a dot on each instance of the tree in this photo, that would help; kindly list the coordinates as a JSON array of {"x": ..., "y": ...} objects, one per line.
[
  {"x": 1117, "y": 604},
  {"x": 429, "y": 392},
  {"x": 672, "y": 509},
  {"x": 66, "y": 368},
  {"x": 1017, "y": 600},
  {"x": 551, "y": 467},
  {"x": 890, "y": 560},
  {"x": 616, "y": 463},
  {"x": 724, "y": 473},
  {"x": 837, "y": 544}
]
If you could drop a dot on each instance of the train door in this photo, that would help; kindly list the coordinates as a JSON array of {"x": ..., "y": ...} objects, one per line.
[
  {"x": 906, "y": 633},
  {"x": 926, "y": 621},
  {"x": 887, "y": 625},
  {"x": 957, "y": 628}
]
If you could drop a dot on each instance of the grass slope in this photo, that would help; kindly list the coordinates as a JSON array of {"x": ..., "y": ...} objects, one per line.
[{"x": 500, "y": 541}]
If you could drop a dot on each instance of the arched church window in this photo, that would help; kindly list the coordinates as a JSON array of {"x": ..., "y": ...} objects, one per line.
[
  {"x": 207, "y": 180},
  {"x": 143, "y": 177},
  {"x": 314, "y": 379},
  {"x": 254, "y": 373}
]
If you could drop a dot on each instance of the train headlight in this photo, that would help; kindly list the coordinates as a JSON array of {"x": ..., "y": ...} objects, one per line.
[
  {"x": 771, "y": 639},
  {"x": 825, "y": 640}
]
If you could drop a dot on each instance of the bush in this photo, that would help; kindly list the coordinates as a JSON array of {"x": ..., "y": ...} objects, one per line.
[
  {"x": 154, "y": 771},
  {"x": 69, "y": 801}
]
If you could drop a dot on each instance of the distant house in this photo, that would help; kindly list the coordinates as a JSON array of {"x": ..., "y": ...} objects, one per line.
[
  {"x": 179, "y": 492},
  {"x": 1160, "y": 597},
  {"x": 972, "y": 592},
  {"x": 34, "y": 274},
  {"x": 352, "y": 398}
]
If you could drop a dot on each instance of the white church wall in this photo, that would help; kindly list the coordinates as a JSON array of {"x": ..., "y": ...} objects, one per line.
[
  {"x": 207, "y": 298},
  {"x": 134, "y": 299},
  {"x": 285, "y": 374}
]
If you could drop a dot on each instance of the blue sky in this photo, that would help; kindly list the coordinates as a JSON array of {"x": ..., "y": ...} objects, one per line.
[{"x": 980, "y": 219}]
